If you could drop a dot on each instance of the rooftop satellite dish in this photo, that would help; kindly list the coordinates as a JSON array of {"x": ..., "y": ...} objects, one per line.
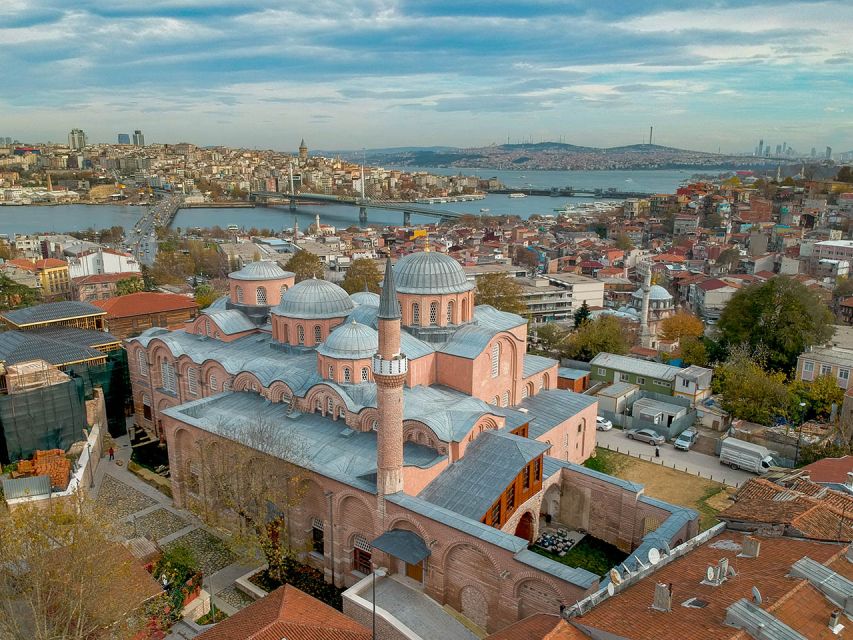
[
  {"x": 654, "y": 556},
  {"x": 610, "y": 589},
  {"x": 709, "y": 574},
  {"x": 756, "y": 596},
  {"x": 615, "y": 577}
]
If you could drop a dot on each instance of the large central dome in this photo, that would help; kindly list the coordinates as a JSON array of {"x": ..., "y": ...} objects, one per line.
[
  {"x": 430, "y": 272},
  {"x": 314, "y": 300}
]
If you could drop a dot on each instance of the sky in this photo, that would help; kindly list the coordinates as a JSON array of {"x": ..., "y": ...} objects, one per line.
[{"x": 385, "y": 73}]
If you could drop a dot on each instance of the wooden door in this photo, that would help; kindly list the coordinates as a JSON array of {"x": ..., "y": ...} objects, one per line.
[{"x": 415, "y": 571}]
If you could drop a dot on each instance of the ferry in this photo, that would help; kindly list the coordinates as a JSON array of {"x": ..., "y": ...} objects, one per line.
[
  {"x": 517, "y": 195},
  {"x": 233, "y": 227},
  {"x": 485, "y": 210}
]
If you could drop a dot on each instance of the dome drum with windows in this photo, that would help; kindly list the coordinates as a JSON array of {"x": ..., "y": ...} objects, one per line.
[
  {"x": 433, "y": 291},
  {"x": 308, "y": 312},
  {"x": 261, "y": 283}
]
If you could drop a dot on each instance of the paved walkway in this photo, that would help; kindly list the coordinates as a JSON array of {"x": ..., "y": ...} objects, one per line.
[
  {"x": 142, "y": 510},
  {"x": 689, "y": 461}
]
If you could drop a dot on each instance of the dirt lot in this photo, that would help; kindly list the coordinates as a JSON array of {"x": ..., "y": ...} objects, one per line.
[{"x": 677, "y": 487}]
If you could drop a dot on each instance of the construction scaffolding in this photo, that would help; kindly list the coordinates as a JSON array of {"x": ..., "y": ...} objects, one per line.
[{"x": 113, "y": 377}]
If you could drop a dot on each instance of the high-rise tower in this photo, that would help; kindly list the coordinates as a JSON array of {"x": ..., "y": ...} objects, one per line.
[
  {"x": 389, "y": 372},
  {"x": 303, "y": 152}
]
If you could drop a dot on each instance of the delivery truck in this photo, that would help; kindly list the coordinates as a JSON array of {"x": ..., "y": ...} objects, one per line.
[{"x": 739, "y": 454}]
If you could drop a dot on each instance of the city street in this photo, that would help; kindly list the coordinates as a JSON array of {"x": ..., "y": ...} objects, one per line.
[{"x": 689, "y": 461}]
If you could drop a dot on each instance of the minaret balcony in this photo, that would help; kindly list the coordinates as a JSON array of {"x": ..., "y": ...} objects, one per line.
[{"x": 395, "y": 366}]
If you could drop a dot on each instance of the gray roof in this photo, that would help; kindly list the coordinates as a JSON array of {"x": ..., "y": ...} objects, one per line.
[
  {"x": 471, "y": 485},
  {"x": 314, "y": 300},
  {"x": 536, "y": 364},
  {"x": 365, "y": 297},
  {"x": 656, "y": 292},
  {"x": 759, "y": 623},
  {"x": 487, "y": 317},
  {"x": 52, "y": 311},
  {"x": 413, "y": 347},
  {"x": 220, "y": 304},
  {"x": 635, "y": 366},
  {"x": 389, "y": 307},
  {"x": 408, "y": 546},
  {"x": 467, "y": 342},
  {"x": 618, "y": 389},
  {"x": 56, "y": 345},
  {"x": 261, "y": 270},
  {"x": 230, "y": 321},
  {"x": 450, "y": 414},
  {"x": 571, "y": 374},
  {"x": 366, "y": 314},
  {"x": 549, "y": 408},
  {"x": 350, "y": 341},
  {"x": 430, "y": 272}
]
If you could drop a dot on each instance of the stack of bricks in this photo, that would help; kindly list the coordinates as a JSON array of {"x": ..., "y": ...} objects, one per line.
[
  {"x": 24, "y": 469},
  {"x": 53, "y": 463}
]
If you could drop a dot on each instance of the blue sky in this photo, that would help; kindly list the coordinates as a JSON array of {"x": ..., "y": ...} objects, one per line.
[{"x": 381, "y": 73}]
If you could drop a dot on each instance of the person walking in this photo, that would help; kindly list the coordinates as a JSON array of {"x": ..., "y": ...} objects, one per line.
[
  {"x": 112, "y": 454},
  {"x": 657, "y": 451}
]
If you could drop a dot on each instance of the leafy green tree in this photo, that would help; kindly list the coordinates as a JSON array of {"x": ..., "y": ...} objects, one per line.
[
  {"x": 14, "y": 295},
  {"x": 129, "y": 285},
  {"x": 624, "y": 242},
  {"x": 550, "y": 336},
  {"x": 781, "y": 315},
  {"x": 605, "y": 333},
  {"x": 748, "y": 391},
  {"x": 205, "y": 295},
  {"x": 362, "y": 274},
  {"x": 500, "y": 291},
  {"x": 305, "y": 265},
  {"x": 843, "y": 288},
  {"x": 582, "y": 314},
  {"x": 729, "y": 259},
  {"x": 819, "y": 396},
  {"x": 693, "y": 351}
]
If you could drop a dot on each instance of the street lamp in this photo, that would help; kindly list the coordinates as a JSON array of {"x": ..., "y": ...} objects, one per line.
[
  {"x": 800, "y": 433},
  {"x": 378, "y": 571},
  {"x": 91, "y": 467}
]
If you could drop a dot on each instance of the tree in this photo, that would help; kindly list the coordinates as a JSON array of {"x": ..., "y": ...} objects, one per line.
[
  {"x": 819, "y": 396},
  {"x": 729, "y": 259},
  {"x": 305, "y": 265},
  {"x": 782, "y": 315},
  {"x": 582, "y": 314},
  {"x": 63, "y": 576},
  {"x": 525, "y": 257},
  {"x": 129, "y": 285},
  {"x": 748, "y": 391},
  {"x": 682, "y": 324},
  {"x": 845, "y": 174},
  {"x": 500, "y": 291},
  {"x": 205, "y": 295},
  {"x": 550, "y": 336},
  {"x": 843, "y": 288},
  {"x": 624, "y": 242},
  {"x": 362, "y": 275},
  {"x": 604, "y": 334},
  {"x": 254, "y": 483},
  {"x": 14, "y": 295},
  {"x": 693, "y": 351}
]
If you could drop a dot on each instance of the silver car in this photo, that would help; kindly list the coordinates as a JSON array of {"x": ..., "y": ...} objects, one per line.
[{"x": 646, "y": 435}]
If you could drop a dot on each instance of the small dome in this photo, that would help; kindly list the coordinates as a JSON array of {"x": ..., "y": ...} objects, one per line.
[
  {"x": 430, "y": 272},
  {"x": 366, "y": 298},
  {"x": 314, "y": 299},
  {"x": 350, "y": 341},
  {"x": 261, "y": 270},
  {"x": 657, "y": 292}
]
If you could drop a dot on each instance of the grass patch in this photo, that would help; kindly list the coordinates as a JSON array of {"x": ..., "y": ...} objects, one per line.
[
  {"x": 212, "y": 617},
  {"x": 592, "y": 554},
  {"x": 306, "y": 579},
  {"x": 604, "y": 461},
  {"x": 163, "y": 485}
]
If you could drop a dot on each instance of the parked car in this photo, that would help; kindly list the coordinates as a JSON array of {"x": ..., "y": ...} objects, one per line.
[
  {"x": 686, "y": 439},
  {"x": 603, "y": 424},
  {"x": 646, "y": 435}
]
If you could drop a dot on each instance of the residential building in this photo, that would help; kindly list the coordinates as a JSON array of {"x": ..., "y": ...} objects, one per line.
[
  {"x": 102, "y": 260},
  {"x": 544, "y": 301},
  {"x": 833, "y": 250},
  {"x": 131, "y": 314},
  {"x": 710, "y": 297},
  {"x": 99, "y": 286},
  {"x": 138, "y": 139},
  {"x": 693, "y": 383},
  {"x": 53, "y": 275},
  {"x": 580, "y": 289},
  {"x": 832, "y": 361},
  {"x": 76, "y": 140}
]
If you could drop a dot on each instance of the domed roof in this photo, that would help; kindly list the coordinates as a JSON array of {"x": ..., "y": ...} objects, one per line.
[
  {"x": 365, "y": 297},
  {"x": 314, "y": 299},
  {"x": 657, "y": 292},
  {"x": 430, "y": 272},
  {"x": 350, "y": 341},
  {"x": 260, "y": 270}
]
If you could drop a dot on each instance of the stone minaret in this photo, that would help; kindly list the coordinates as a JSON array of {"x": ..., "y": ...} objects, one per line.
[
  {"x": 645, "y": 332},
  {"x": 389, "y": 371}
]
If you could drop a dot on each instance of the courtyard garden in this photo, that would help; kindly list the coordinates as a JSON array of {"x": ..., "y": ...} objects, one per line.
[
  {"x": 592, "y": 554},
  {"x": 302, "y": 577}
]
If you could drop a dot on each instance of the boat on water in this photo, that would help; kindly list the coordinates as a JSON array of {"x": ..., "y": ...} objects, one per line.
[
  {"x": 233, "y": 227},
  {"x": 517, "y": 195},
  {"x": 485, "y": 210}
]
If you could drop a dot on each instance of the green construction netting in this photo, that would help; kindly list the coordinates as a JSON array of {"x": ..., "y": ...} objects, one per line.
[{"x": 113, "y": 378}]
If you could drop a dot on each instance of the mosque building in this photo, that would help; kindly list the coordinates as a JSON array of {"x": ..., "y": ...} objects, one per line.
[{"x": 435, "y": 446}]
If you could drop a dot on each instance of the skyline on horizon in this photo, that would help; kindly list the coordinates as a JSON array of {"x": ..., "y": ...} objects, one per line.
[{"x": 405, "y": 74}]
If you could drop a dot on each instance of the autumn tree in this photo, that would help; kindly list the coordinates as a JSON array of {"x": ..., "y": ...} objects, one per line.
[
  {"x": 525, "y": 257},
  {"x": 582, "y": 314},
  {"x": 500, "y": 291},
  {"x": 680, "y": 325},
  {"x": 747, "y": 390},
  {"x": 63, "y": 576},
  {"x": 254, "y": 483},
  {"x": 130, "y": 285},
  {"x": 624, "y": 242},
  {"x": 604, "y": 334},
  {"x": 781, "y": 315},
  {"x": 363, "y": 275},
  {"x": 305, "y": 265},
  {"x": 729, "y": 259},
  {"x": 205, "y": 295}
]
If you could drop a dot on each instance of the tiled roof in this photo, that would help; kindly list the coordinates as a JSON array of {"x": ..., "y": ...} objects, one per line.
[
  {"x": 144, "y": 303},
  {"x": 629, "y": 614},
  {"x": 830, "y": 469},
  {"x": 51, "y": 311},
  {"x": 54, "y": 347},
  {"x": 287, "y": 613},
  {"x": 98, "y": 278},
  {"x": 539, "y": 626}
]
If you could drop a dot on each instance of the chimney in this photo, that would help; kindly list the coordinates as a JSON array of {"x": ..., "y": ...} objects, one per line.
[
  {"x": 833, "y": 620},
  {"x": 663, "y": 598},
  {"x": 751, "y": 547}
]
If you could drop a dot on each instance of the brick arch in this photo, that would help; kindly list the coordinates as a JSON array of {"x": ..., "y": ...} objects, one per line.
[
  {"x": 410, "y": 525},
  {"x": 323, "y": 393},
  {"x": 183, "y": 443},
  {"x": 279, "y": 391},
  {"x": 420, "y": 433},
  {"x": 446, "y": 557},
  {"x": 212, "y": 366},
  {"x": 244, "y": 381},
  {"x": 535, "y": 595},
  {"x": 356, "y": 515},
  {"x": 367, "y": 417}
]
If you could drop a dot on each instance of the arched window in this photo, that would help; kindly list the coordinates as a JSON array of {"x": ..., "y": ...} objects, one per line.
[
  {"x": 365, "y": 374},
  {"x": 450, "y": 312},
  {"x": 318, "y": 334},
  {"x": 212, "y": 383},
  {"x": 300, "y": 334},
  {"x": 286, "y": 332},
  {"x": 283, "y": 289},
  {"x": 546, "y": 381},
  {"x": 167, "y": 373},
  {"x": 362, "y": 556},
  {"x": 331, "y": 372},
  {"x": 261, "y": 295},
  {"x": 142, "y": 362},
  {"x": 496, "y": 359},
  {"x": 374, "y": 426},
  {"x": 347, "y": 375},
  {"x": 464, "y": 317},
  {"x": 319, "y": 404},
  {"x": 524, "y": 392},
  {"x": 330, "y": 406},
  {"x": 505, "y": 399},
  {"x": 496, "y": 402},
  {"x": 541, "y": 383},
  {"x": 226, "y": 386},
  {"x": 239, "y": 290},
  {"x": 207, "y": 327},
  {"x": 416, "y": 313},
  {"x": 433, "y": 313}
]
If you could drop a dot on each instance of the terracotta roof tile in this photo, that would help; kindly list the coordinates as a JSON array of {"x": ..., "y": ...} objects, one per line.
[
  {"x": 831, "y": 469},
  {"x": 539, "y": 626},
  {"x": 807, "y": 611},
  {"x": 144, "y": 302},
  {"x": 98, "y": 278}
]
